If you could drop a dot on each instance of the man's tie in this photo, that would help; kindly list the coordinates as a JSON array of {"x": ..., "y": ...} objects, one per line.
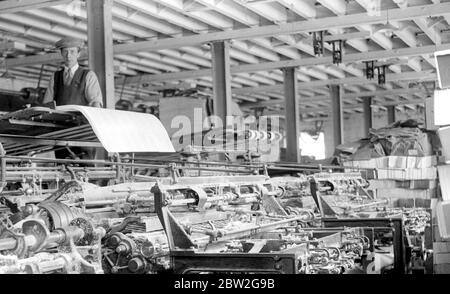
[{"x": 66, "y": 77}]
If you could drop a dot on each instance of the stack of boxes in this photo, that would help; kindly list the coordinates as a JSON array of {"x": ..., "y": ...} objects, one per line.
[
  {"x": 406, "y": 181},
  {"x": 441, "y": 237},
  {"x": 438, "y": 120}
]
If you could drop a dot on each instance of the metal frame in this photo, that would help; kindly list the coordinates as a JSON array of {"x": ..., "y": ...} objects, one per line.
[
  {"x": 394, "y": 224},
  {"x": 186, "y": 261}
]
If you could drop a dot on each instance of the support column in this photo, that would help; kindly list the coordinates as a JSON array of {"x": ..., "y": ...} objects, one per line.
[
  {"x": 337, "y": 117},
  {"x": 221, "y": 79},
  {"x": 100, "y": 47},
  {"x": 292, "y": 114},
  {"x": 367, "y": 113},
  {"x": 220, "y": 54},
  {"x": 391, "y": 114}
]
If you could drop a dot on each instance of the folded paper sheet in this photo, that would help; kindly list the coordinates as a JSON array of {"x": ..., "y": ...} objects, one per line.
[{"x": 125, "y": 131}]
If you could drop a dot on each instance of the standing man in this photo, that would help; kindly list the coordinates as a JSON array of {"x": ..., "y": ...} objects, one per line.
[{"x": 73, "y": 84}]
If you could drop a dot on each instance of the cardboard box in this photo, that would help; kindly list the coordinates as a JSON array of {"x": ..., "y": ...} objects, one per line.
[
  {"x": 408, "y": 184},
  {"x": 441, "y": 247},
  {"x": 443, "y": 218},
  {"x": 405, "y": 193},
  {"x": 441, "y": 258},
  {"x": 429, "y": 173},
  {"x": 434, "y": 202},
  {"x": 444, "y": 180},
  {"x": 444, "y": 137},
  {"x": 441, "y": 268}
]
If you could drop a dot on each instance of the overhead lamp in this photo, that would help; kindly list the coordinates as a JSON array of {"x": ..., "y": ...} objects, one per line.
[
  {"x": 381, "y": 74},
  {"x": 370, "y": 69},
  {"x": 337, "y": 51},
  {"x": 318, "y": 43}
]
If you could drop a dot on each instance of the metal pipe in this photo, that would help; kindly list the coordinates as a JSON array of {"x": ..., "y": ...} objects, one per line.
[
  {"x": 29, "y": 158},
  {"x": 52, "y": 265},
  {"x": 260, "y": 228},
  {"x": 225, "y": 197},
  {"x": 58, "y": 236},
  {"x": 7, "y": 244},
  {"x": 181, "y": 202},
  {"x": 11, "y": 243},
  {"x": 100, "y": 203},
  {"x": 200, "y": 162},
  {"x": 104, "y": 209},
  {"x": 306, "y": 165},
  {"x": 12, "y": 93},
  {"x": 385, "y": 201}
]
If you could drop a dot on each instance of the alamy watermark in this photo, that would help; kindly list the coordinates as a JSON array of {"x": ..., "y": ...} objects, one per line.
[{"x": 236, "y": 133}]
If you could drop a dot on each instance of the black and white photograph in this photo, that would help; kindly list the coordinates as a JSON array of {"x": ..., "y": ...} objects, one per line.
[{"x": 224, "y": 144}]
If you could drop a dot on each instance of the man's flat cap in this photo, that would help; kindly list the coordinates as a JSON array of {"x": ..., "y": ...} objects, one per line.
[{"x": 69, "y": 42}]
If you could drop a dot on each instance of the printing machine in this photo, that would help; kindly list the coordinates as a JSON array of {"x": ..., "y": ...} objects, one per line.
[{"x": 58, "y": 219}]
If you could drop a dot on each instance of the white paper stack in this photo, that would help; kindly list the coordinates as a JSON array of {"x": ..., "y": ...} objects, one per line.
[
  {"x": 441, "y": 107},
  {"x": 400, "y": 162},
  {"x": 429, "y": 173}
]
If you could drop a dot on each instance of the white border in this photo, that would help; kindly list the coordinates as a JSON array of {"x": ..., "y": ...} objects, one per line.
[{"x": 436, "y": 54}]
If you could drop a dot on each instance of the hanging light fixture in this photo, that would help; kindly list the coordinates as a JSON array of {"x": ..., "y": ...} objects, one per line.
[
  {"x": 337, "y": 51},
  {"x": 381, "y": 74},
  {"x": 370, "y": 69},
  {"x": 318, "y": 43}
]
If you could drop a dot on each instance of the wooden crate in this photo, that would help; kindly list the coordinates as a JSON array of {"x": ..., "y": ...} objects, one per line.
[
  {"x": 441, "y": 258},
  {"x": 441, "y": 268},
  {"x": 441, "y": 247}
]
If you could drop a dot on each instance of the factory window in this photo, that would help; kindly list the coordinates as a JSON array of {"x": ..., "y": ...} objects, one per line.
[{"x": 312, "y": 145}]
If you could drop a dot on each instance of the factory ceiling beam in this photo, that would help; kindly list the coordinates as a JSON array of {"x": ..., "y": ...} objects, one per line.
[
  {"x": 265, "y": 66},
  {"x": 346, "y": 58},
  {"x": 327, "y": 109},
  {"x": 381, "y": 93},
  {"x": 346, "y": 95},
  {"x": 7, "y": 45},
  {"x": 403, "y": 76},
  {"x": 263, "y": 31},
  {"x": 101, "y": 59},
  {"x": 12, "y": 6},
  {"x": 312, "y": 25}
]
